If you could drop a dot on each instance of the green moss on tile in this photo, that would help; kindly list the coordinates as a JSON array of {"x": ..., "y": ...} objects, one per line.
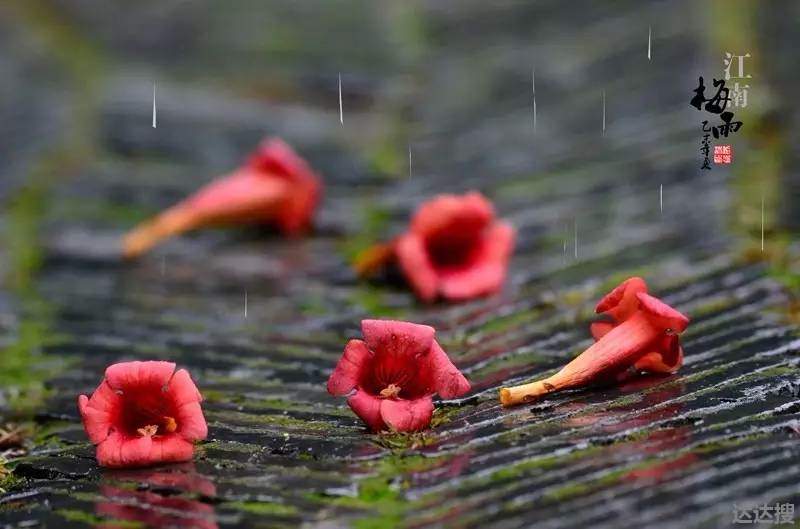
[
  {"x": 543, "y": 463},
  {"x": 291, "y": 406},
  {"x": 373, "y": 301},
  {"x": 281, "y": 421},
  {"x": 380, "y": 495},
  {"x": 585, "y": 487},
  {"x": 386, "y": 159},
  {"x": 510, "y": 321},
  {"x": 267, "y": 508},
  {"x": 496, "y": 364},
  {"x": 403, "y": 440},
  {"x": 726, "y": 443},
  {"x": 87, "y": 210},
  {"x": 75, "y": 515},
  {"x": 444, "y": 414},
  {"x": 8, "y": 480}
]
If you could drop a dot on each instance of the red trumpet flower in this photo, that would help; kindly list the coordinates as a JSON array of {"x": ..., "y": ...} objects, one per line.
[
  {"x": 454, "y": 248},
  {"x": 275, "y": 186},
  {"x": 143, "y": 413},
  {"x": 392, "y": 375},
  {"x": 622, "y": 303},
  {"x": 643, "y": 336}
]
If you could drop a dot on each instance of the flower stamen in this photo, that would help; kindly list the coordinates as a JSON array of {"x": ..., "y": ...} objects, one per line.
[
  {"x": 148, "y": 430},
  {"x": 392, "y": 391},
  {"x": 169, "y": 424}
]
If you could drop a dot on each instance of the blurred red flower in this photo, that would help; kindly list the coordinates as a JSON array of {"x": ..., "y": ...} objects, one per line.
[
  {"x": 143, "y": 413},
  {"x": 275, "y": 186},
  {"x": 455, "y": 248},
  {"x": 392, "y": 375}
]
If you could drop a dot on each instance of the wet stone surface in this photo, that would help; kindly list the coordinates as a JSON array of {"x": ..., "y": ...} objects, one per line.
[{"x": 453, "y": 86}]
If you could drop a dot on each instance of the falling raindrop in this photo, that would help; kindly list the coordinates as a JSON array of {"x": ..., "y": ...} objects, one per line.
[
  {"x": 649, "y": 40},
  {"x": 409, "y": 160},
  {"x": 341, "y": 111},
  {"x": 604, "y": 112},
  {"x": 762, "y": 221},
  {"x": 245, "y": 304},
  {"x": 533, "y": 87},
  {"x": 576, "y": 238},
  {"x": 661, "y": 197},
  {"x": 154, "y": 105}
]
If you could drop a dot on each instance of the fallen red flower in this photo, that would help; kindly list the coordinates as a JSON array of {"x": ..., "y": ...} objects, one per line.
[
  {"x": 143, "y": 413},
  {"x": 643, "y": 336},
  {"x": 392, "y": 375},
  {"x": 622, "y": 303},
  {"x": 275, "y": 186},
  {"x": 455, "y": 248}
]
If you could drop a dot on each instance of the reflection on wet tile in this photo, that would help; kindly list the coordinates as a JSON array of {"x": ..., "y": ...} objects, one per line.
[{"x": 174, "y": 497}]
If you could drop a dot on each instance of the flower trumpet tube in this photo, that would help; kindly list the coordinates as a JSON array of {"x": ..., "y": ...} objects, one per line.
[
  {"x": 651, "y": 327},
  {"x": 373, "y": 258},
  {"x": 275, "y": 186}
]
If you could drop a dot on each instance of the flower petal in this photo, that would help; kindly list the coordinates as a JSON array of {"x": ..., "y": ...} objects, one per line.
[
  {"x": 296, "y": 214},
  {"x": 104, "y": 398},
  {"x": 398, "y": 339},
  {"x": 275, "y": 158},
  {"x": 171, "y": 448},
  {"x": 183, "y": 389},
  {"x": 447, "y": 379},
  {"x": 600, "y": 329},
  {"x": 97, "y": 423},
  {"x": 191, "y": 423},
  {"x": 118, "y": 451},
  {"x": 99, "y": 412},
  {"x": 666, "y": 316},
  {"x": 466, "y": 213},
  {"x": 672, "y": 352},
  {"x": 407, "y": 415},
  {"x": 139, "y": 375},
  {"x": 487, "y": 272},
  {"x": 415, "y": 264},
  {"x": 668, "y": 358},
  {"x": 348, "y": 371},
  {"x": 368, "y": 408},
  {"x": 622, "y": 293},
  {"x": 274, "y": 155}
]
